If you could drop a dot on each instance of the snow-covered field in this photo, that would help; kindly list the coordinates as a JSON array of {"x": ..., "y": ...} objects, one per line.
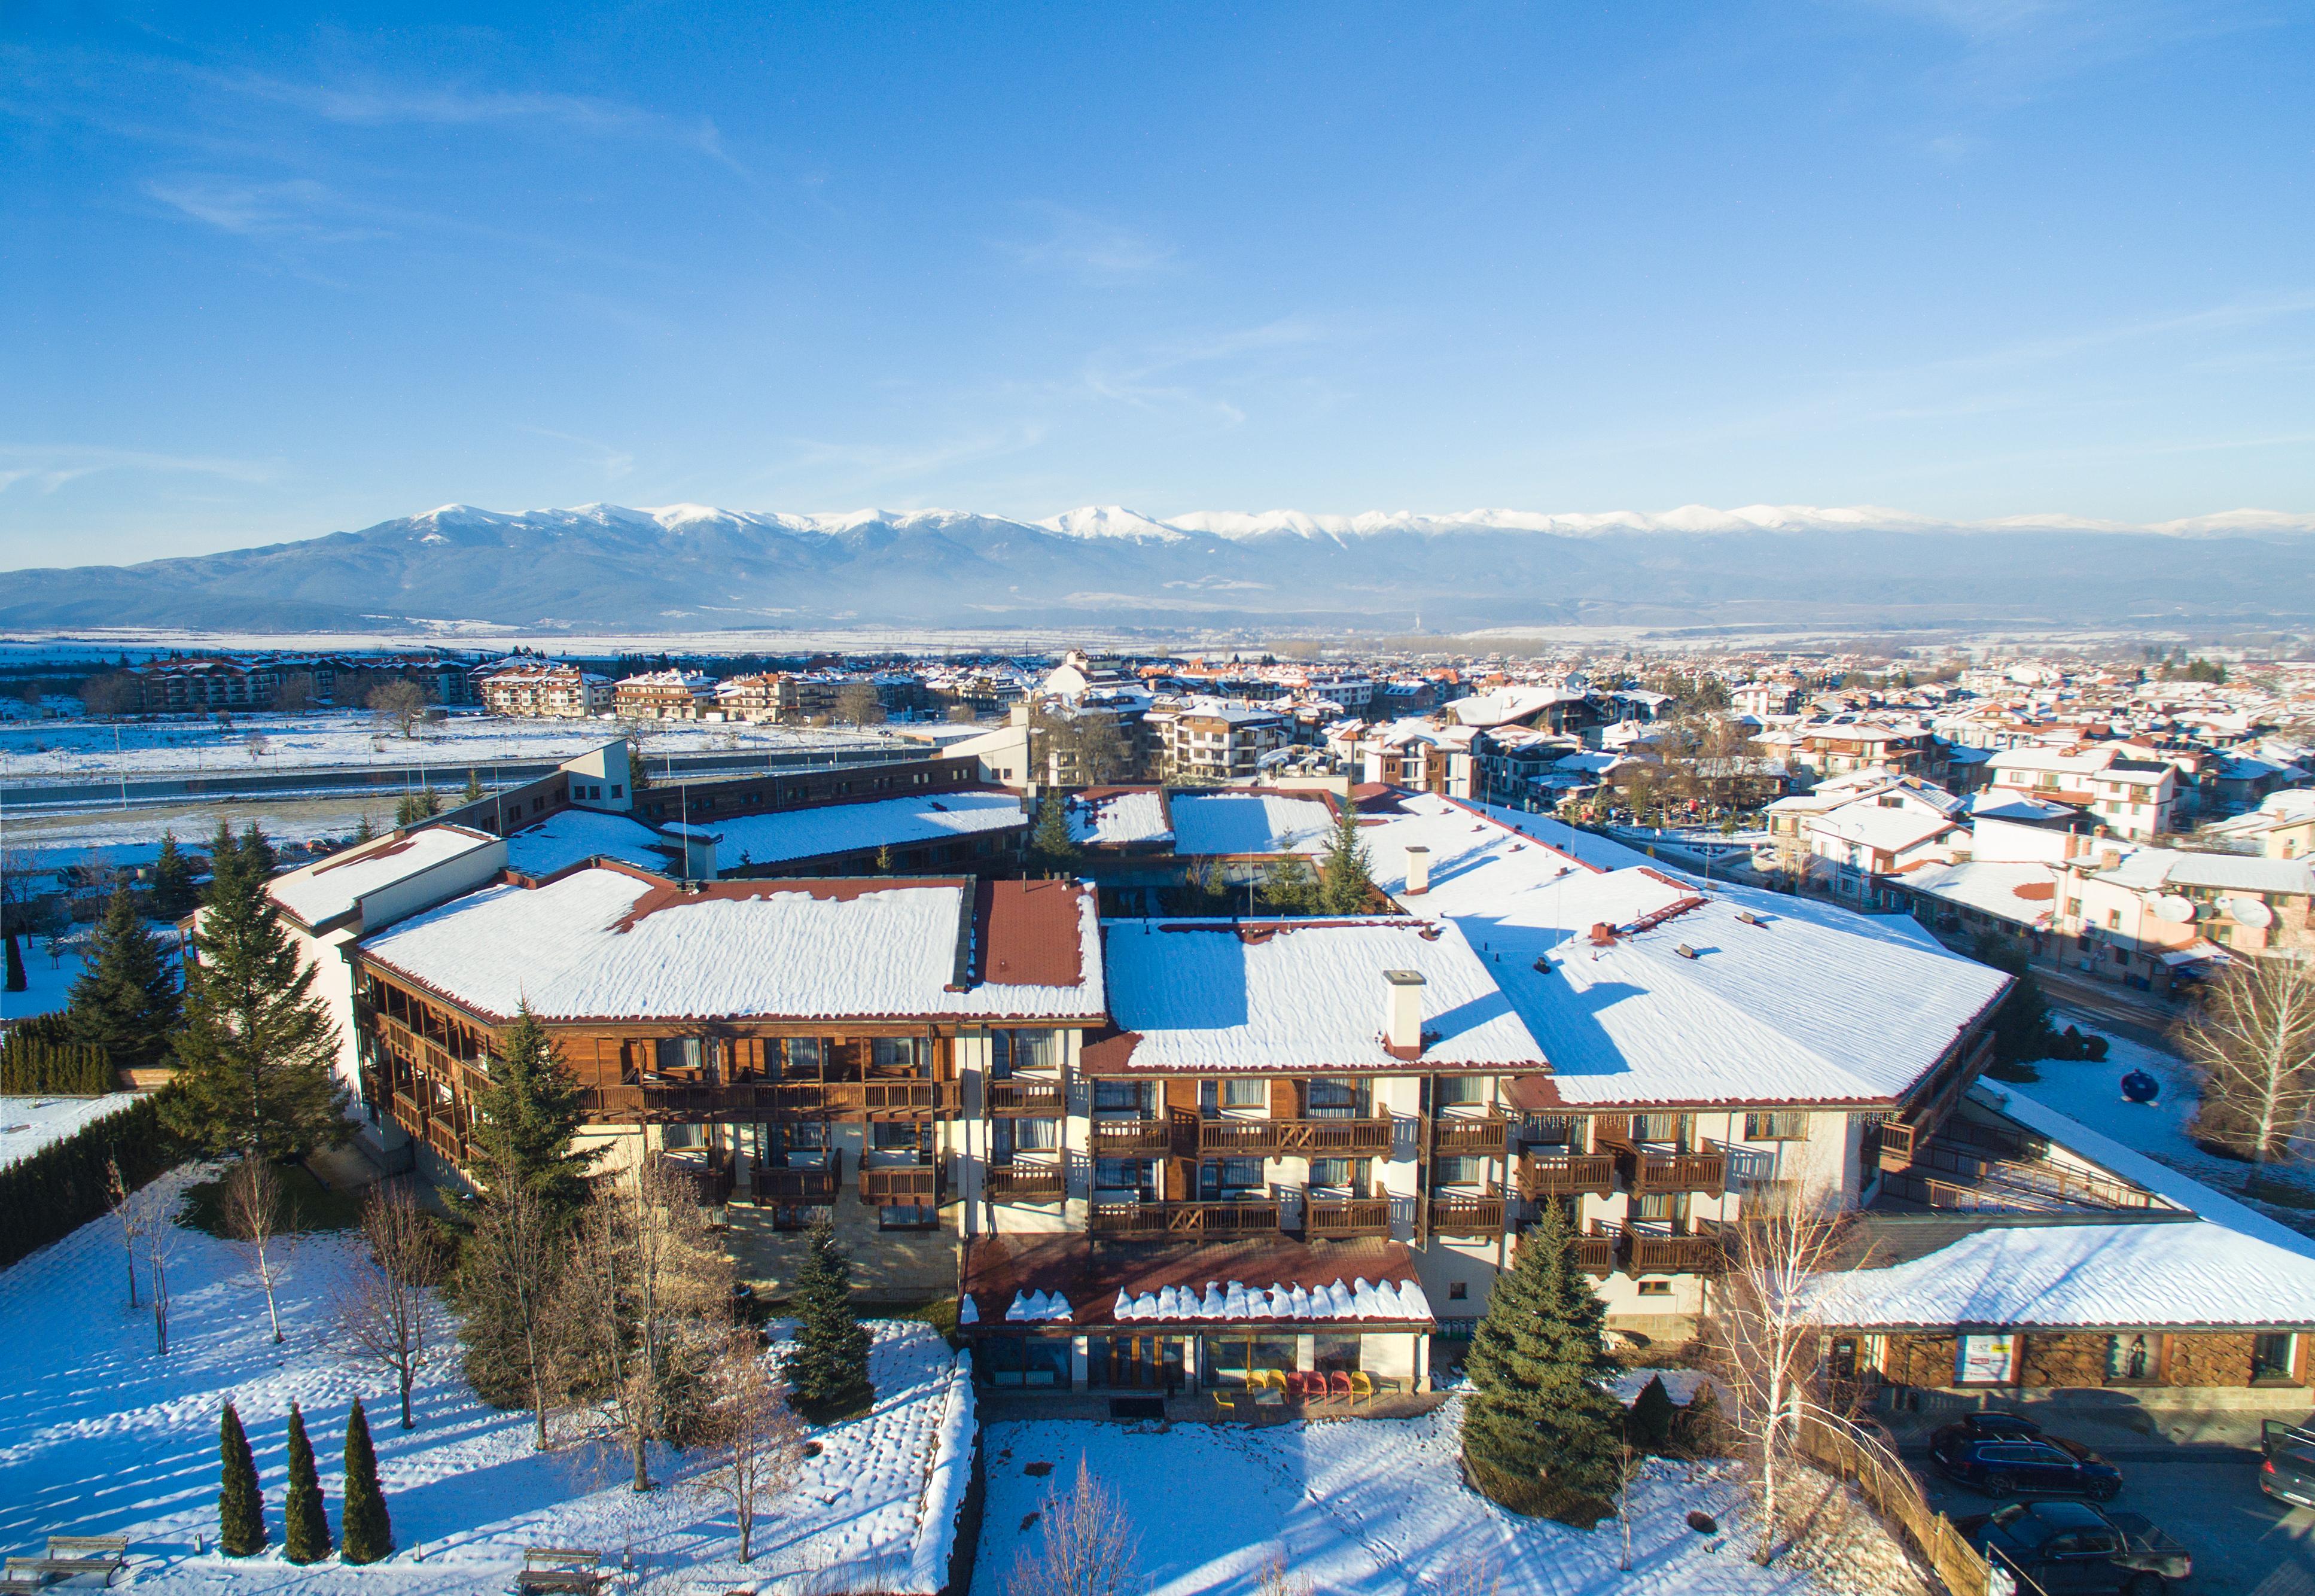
[
  {"x": 260, "y": 743},
  {"x": 1373, "y": 1507},
  {"x": 28, "y": 1124},
  {"x": 100, "y": 1436}
]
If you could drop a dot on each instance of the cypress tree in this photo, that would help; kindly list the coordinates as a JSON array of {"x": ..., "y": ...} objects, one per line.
[
  {"x": 173, "y": 894},
  {"x": 306, "y": 1531},
  {"x": 16, "y": 983},
  {"x": 1346, "y": 871},
  {"x": 126, "y": 1000},
  {"x": 1539, "y": 1433},
  {"x": 1697, "y": 1428},
  {"x": 1050, "y": 844},
  {"x": 528, "y": 1115},
  {"x": 368, "y": 1530},
  {"x": 638, "y": 774},
  {"x": 1649, "y": 1423},
  {"x": 257, "y": 1048},
  {"x": 826, "y": 1370},
  {"x": 240, "y": 1506}
]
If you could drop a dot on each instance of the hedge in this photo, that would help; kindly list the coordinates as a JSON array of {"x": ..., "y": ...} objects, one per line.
[
  {"x": 54, "y": 1192},
  {"x": 38, "y": 1057}
]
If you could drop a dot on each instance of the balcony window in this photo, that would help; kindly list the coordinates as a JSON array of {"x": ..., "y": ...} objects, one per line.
[
  {"x": 1462, "y": 1172},
  {"x": 1660, "y": 1129},
  {"x": 1462, "y": 1091},
  {"x": 801, "y": 1057},
  {"x": 1554, "y": 1133},
  {"x": 1236, "y": 1092},
  {"x": 901, "y": 1136},
  {"x": 908, "y": 1216},
  {"x": 1126, "y": 1179},
  {"x": 1663, "y": 1213},
  {"x": 1037, "y": 1136},
  {"x": 1338, "y": 1099},
  {"x": 895, "y": 1055},
  {"x": 1137, "y": 1098},
  {"x": 678, "y": 1056},
  {"x": 1782, "y": 1126},
  {"x": 1230, "y": 1180},
  {"x": 1344, "y": 1177}
]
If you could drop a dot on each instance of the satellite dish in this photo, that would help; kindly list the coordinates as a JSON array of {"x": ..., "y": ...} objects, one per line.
[
  {"x": 2175, "y": 909},
  {"x": 2252, "y": 912}
]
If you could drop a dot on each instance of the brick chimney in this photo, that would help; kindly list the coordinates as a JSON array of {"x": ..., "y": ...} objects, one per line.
[
  {"x": 1403, "y": 1017},
  {"x": 1418, "y": 871}
]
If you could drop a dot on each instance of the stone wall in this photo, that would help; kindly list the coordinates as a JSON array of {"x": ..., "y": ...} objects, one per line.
[
  {"x": 2210, "y": 1361},
  {"x": 2063, "y": 1361},
  {"x": 1920, "y": 1361}
]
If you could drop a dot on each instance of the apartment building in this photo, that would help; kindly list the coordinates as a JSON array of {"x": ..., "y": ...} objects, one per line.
[
  {"x": 543, "y": 689},
  {"x": 1209, "y": 741},
  {"x": 663, "y": 695},
  {"x": 2133, "y": 797}
]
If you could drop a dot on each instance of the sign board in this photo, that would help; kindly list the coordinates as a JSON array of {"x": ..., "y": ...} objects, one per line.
[{"x": 1985, "y": 1360}]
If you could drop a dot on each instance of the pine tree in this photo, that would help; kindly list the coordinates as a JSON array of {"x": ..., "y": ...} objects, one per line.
[
  {"x": 527, "y": 1118},
  {"x": 1051, "y": 845},
  {"x": 16, "y": 983},
  {"x": 1290, "y": 888},
  {"x": 173, "y": 894},
  {"x": 257, "y": 1048},
  {"x": 1539, "y": 1433},
  {"x": 2021, "y": 1025},
  {"x": 474, "y": 792},
  {"x": 884, "y": 858},
  {"x": 257, "y": 853},
  {"x": 411, "y": 808},
  {"x": 826, "y": 1370},
  {"x": 240, "y": 1506},
  {"x": 306, "y": 1529},
  {"x": 1346, "y": 871},
  {"x": 1649, "y": 1423},
  {"x": 224, "y": 857},
  {"x": 126, "y": 1000},
  {"x": 638, "y": 776},
  {"x": 368, "y": 1530},
  {"x": 365, "y": 831},
  {"x": 1696, "y": 1430}
]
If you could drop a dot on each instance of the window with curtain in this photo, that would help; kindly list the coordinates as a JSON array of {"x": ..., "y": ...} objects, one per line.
[
  {"x": 1037, "y": 1049},
  {"x": 1245, "y": 1092},
  {"x": 1337, "y": 1099},
  {"x": 898, "y": 1053},
  {"x": 1780, "y": 1126},
  {"x": 1340, "y": 1174},
  {"x": 900, "y": 1136},
  {"x": 801, "y": 1055},
  {"x": 1667, "y": 1127},
  {"x": 1462, "y": 1172},
  {"x": 1138, "y": 1098},
  {"x": 1460, "y": 1091},
  {"x": 1228, "y": 1180},
  {"x": 1135, "y": 1177},
  {"x": 1000, "y": 1055},
  {"x": 1037, "y": 1136},
  {"x": 676, "y": 1053}
]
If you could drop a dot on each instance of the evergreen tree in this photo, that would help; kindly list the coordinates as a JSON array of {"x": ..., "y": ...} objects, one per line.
[
  {"x": 1697, "y": 1428},
  {"x": 257, "y": 853},
  {"x": 306, "y": 1529},
  {"x": 224, "y": 857},
  {"x": 1290, "y": 888},
  {"x": 527, "y": 1117},
  {"x": 16, "y": 983},
  {"x": 1649, "y": 1423},
  {"x": 1346, "y": 871},
  {"x": 365, "y": 831},
  {"x": 368, "y": 1530},
  {"x": 1050, "y": 845},
  {"x": 2022, "y": 1031},
  {"x": 173, "y": 894},
  {"x": 126, "y": 1000},
  {"x": 256, "y": 1051},
  {"x": 826, "y": 1370},
  {"x": 638, "y": 777},
  {"x": 1539, "y": 1433},
  {"x": 240, "y": 1506},
  {"x": 411, "y": 808},
  {"x": 474, "y": 792}
]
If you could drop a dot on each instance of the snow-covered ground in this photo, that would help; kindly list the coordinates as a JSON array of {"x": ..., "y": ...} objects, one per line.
[
  {"x": 65, "y": 750},
  {"x": 28, "y": 1124},
  {"x": 100, "y": 1436},
  {"x": 1372, "y": 1507},
  {"x": 47, "y": 984}
]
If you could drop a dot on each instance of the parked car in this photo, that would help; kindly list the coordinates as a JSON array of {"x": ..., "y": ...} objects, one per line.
[
  {"x": 1998, "y": 1422},
  {"x": 1993, "y": 1456},
  {"x": 2071, "y": 1548},
  {"x": 2289, "y": 1469}
]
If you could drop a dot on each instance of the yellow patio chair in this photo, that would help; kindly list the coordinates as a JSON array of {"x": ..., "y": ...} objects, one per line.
[{"x": 1362, "y": 1388}]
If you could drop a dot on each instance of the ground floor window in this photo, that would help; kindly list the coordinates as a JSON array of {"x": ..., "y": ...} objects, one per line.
[
  {"x": 2270, "y": 1357},
  {"x": 1031, "y": 1361},
  {"x": 1137, "y": 1363},
  {"x": 2131, "y": 1360},
  {"x": 908, "y": 1216},
  {"x": 1135, "y": 1177},
  {"x": 1234, "y": 1360},
  {"x": 1985, "y": 1360},
  {"x": 1335, "y": 1354}
]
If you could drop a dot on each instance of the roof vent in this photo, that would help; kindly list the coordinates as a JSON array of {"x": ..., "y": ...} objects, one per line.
[
  {"x": 1685, "y": 952},
  {"x": 1748, "y": 916}
]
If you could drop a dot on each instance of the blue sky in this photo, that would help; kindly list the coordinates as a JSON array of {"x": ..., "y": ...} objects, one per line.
[{"x": 270, "y": 275}]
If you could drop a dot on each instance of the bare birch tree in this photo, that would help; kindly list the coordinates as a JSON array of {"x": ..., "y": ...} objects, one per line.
[
  {"x": 514, "y": 1263},
  {"x": 386, "y": 1312},
  {"x": 129, "y": 1210},
  {"x": 1762, "y": 1337},
  {"x": 756, "y": 1437},
  {"x": 253, "y": 1220},
  {"x": 1086, "y": 1544},
  {"x": 160, "y": 1236},
  {"x": 2254, "y": 1043}
]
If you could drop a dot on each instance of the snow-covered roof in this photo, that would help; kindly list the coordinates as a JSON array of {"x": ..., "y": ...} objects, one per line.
[
  {"x": 2024, "y": 893},
  {"x": 1506, "y": 704},
  {"x": 1065, "y": 1279},
  {"x": 568, "y": 836},
  {"x": 1276, "y": 1302},
  {"x": 1250, "y": 823},
  {"x": 616, "y": 944},
  {"x": 1890, "y": 830},
  {"x": 2005, "y": 803},
  {"x": 1802, "y": 1003},
  {"x": 1298, "y": 995},
  {"x": 785, "y": 836},
  {"x": 320, "y": 894},
  {"x": 1116, "y": 820},
  {"x": 2148, "y": 869}
]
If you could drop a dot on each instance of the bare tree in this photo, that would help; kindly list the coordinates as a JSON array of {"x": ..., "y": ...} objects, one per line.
[
  {"x": 110, "y": 693},
  {"x": 1466, "y": 1576},
  {"x": 858, "y": 703},
  {"x": 295, "y": 694},
  {"x": 160, "y": 1235},
  {"x": 387, "y": 1312},
  {"x": 1763, "y": 1339},
  {"x": 515, "y": 1261},
  {"x": 1086, "y": 1544},
  {"x": 253, "y": 1220},
  {"x": 2254, "y": 1042},
  {"x": 756, "y": 1437},
  {"x": 131, "y": 1210},
  {"x": 400, "y": 705},
  {"x": 1277, "y": 1578}
]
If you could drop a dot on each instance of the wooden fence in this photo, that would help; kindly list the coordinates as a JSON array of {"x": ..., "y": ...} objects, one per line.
[{"x": 1892, "y": 1491}]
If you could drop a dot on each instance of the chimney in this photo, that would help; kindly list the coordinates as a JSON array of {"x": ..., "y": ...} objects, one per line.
[
  {"x": 2109, "y": 858},
  {"x": 1403, "y": 1020},
  {"x": 1418, "y": 871}
]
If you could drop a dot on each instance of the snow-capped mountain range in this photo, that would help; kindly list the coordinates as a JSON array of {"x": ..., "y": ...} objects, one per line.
[{"x": 688, "y": 568}]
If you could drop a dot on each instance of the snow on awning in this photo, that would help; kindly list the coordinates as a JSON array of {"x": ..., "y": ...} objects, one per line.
[
  {"x": 1034, "y": 1305},
  {"x": 2201, "y": 950},
  {"x": 1383, "y": 1300}
]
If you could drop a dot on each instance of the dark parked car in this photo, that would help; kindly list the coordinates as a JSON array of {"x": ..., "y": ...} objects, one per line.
[
  {"x": 2070, "y": 1548},
  {"x": 2001, "y": 1461},
  {"x": 2289, "y": 1468}
]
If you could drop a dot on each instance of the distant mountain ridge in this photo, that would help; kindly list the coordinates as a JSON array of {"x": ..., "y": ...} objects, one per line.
[{"x": 690, "y": 568}]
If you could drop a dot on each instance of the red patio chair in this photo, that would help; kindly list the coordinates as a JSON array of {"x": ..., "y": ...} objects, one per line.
[{"x": 1339, "y": 1383}]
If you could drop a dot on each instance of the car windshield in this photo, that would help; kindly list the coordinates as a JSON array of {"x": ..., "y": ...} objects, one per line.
[
  {"x": 2006, "y": 1516},
  {"x": 2073, "y": 1449}
]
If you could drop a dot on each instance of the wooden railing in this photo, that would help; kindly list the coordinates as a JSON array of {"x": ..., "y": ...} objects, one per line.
[
  {"x": 1892, "y": 1491},
  {"x": 1466, "y": 1216},
  {"x": 1596, "y": 1254},
  {"x": 1675, "y": 1254},
  {"x": 1462, "y": 1136},
  {"x": 1125, "y": 1138},
  {"x": 919, "y": 1184},
  {"x": 652, "y": 1102},
  {"x": 818, "y": 1187},
  {"x": 1184, "y": 1218},
  {"x": 1679, "y": 1172},
  {"x": 444, "y": 1138},
  {"x": 1562, "y": 1175},
  {"x": 1335, "y": 1219},
  {"x": 1026, "y": 1182},
  {"x": 1294, "y": 1137},
  {"x": 1026, "y": 1097}
]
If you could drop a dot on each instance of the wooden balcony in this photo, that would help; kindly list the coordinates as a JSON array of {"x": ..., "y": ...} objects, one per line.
[
  {"x": 1484, "y": 1137},
  {"x": 1596, "y": 1254},
  {"x": 1679, "y": 1172},
  {"x": 664, "y": 1103},
  {"x": 1041, "y": 1098},
  {"x": 1026, "y": 1182},
  {"x": 1161, "y": 1220},
  {"x": 1675, "y": 1254},
  {"x": 900, "y": 1183},
  {"x": 444, "y": 1138},
  {"x": 1466, "y": 1216},
  {"x": 1563, "y": 1174},
  {"x": 1899, "y": 1141},
  {"x": 1295, "y": 1137},
  {"x": 815, "y": 1187},
  {"x": 1132, "y": 1138},
  {"x": 1341, "y": 1219}
]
